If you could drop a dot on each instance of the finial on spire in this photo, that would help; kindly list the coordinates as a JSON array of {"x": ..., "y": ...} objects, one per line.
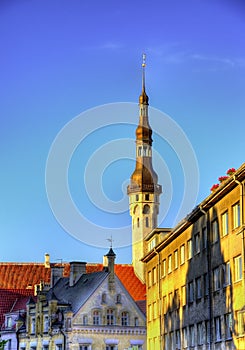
[
  {"x": 110, "y": 240},
  {"x": 143, "y": 60},
  {"x": 143, "y": 97}
]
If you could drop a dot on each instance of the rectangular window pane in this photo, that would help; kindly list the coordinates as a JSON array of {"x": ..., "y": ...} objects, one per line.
[
  {"x": 238, "y": 268},
  {"x": 189, "y": 249},
  {"x": 236, "y": 215},
  {"x": 224, "y": 219},
  {"x": 170, "y": 263},
  {"x": 176, "y": 259},
  {"x": 214, "y": 233},
  {"x": 182, "y": 254},
  {"x": 164, "y": 268}
]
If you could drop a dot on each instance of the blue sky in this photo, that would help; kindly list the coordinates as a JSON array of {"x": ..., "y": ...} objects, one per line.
[{"x": 61, "y": 58}]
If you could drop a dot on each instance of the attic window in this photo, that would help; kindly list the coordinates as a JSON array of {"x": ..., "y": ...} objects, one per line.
[
  {"x": 85, "y": 320},
  {"x": 119, "y": 299},
  {"x": 103, "y": 298}
]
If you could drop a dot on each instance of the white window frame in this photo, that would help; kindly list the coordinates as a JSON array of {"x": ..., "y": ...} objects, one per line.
[
  {"x": 225, "y": 223},
  {"x": 236, "y": 214},
  {"x": 238, "y": 268},
  {"x": 182, "y": 254}
]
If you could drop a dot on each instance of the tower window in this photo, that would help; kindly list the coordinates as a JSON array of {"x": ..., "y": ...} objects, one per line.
[
  {"x": 146, "y": 209},
  {"x": 138, "y": 222},
  {"x": 140, "y": 151},
  {"x": 137, "y": 197},
  {"x": 146, "y": 222},
  {"x": 147, "y": 197}
]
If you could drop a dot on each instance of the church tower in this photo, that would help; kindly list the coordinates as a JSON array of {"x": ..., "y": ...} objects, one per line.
[{"x": 143, "y": 190}]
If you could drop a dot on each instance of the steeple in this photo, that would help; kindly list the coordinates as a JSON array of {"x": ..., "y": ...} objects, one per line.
[{"x": 143, "y": 190}]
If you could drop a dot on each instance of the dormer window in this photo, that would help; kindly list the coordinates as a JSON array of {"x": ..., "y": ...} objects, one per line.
[{"x": 85, "y": 320}]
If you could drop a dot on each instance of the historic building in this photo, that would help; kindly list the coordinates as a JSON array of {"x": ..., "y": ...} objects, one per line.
[
  {"x": 195, "y": 275},
  {"x": 83, "y": 311},
  {"x": 143, "y": 189}
]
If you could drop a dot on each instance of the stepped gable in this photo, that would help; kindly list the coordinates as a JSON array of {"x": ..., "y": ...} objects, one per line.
[{"x": 12, "y": 300}]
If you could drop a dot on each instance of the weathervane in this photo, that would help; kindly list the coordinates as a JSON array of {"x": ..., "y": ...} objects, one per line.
[{"x": 110, "y": 240}]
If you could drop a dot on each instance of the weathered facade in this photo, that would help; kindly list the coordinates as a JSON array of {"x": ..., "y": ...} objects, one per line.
[
  {"x": 85, "y": 311},
  {"x": 195, "y": 275}
]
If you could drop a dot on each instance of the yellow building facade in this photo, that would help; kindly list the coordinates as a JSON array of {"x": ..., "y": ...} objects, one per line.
[{"x": 195, "y": 275}]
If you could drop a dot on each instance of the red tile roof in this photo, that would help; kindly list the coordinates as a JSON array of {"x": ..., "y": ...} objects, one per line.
[
  {"x": 26, "y": 275},
  {"x": 12, "y": 300}
]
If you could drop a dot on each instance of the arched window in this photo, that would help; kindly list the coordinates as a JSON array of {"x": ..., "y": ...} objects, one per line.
[
  {"x": 110, "y": 317},
  {"x": 146, "y": 209},
  {"x": 96, "y": 317},
  {"x": 125, "y": 318}
]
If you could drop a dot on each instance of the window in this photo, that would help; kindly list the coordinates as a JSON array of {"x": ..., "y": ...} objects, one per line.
[
  {"x": 197, "y": 243},
  {"x": 238, "y": 268},
  {"x": 185, "y": 338},
  {"x": 111, "y": 347},
  {"x": 46, "y": 323},
  {"x": 110, "y": 317},
  {"x": 214, "y": 232},
  {"x": 204, "y": 238},
  {"x": 147, "y": 197},
  {"x": 136, "y": 197},
  {"x": 183, "y": 295},
  {"x": 198, "y": 288},
  {"x": 226, "y": 274},
  {"x": 182, "y": 254},
  {"x": 96, "y": 317},
  {"x": 125, "y": 318},
  {"x": 152, "y": 244},
  {"x": 140, "y": 151},
  {"x": 217, "y": 325},
  {"x": 9, "y": 322},
  {"x": 176, "y": 259},
  {"x": 146, "y": 209},
  {"x": 199, "y": 334},
  {"x": 189, "y": 249},
  {"x": 136, "y": 322},
  {"x": 224, "y": 222},
  {"x": 236, "y": 215},
  {"x": 103, "y": 298},
  {"x": 206, "y": 284},
  {"x": 241, "y": 322},
  {"x": 190, "y": 292},
  {"x": 33, "y": 325},
  {"x": 216, "y": 279},
  {"x": 138, "y": 222},
  {"x": 164, "y": 304},
  {"x": 192, "y": 335},
  {"x": 170, "y": 263},
  {"x": 176, "y": 299},
  {"x": 147, "y": 222},
  {"x": 164, "y": 268},
  {"x": 84, "y": 347},
  {"x": 154, "y": 271},
  {"x": 119, "y": 299},
  {"x": 207, "y": 332},
  {"x": 85, "y": 320},
  {"x": 149, "y": 279},
  {"x": 177, "y": 340},
  {"x": 228, "y": 326}
]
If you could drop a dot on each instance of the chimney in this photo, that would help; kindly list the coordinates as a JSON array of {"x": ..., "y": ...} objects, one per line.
[
  {"x": 47, "y": 261},
  {"x": 56, "y": 274},
  {"x": 77, "y": 269}
]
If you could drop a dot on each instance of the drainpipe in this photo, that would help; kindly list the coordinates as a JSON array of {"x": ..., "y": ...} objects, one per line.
[
  {"x": 159, "y": 297},
  {"x": 242, "y": 219},
  {"x": 210, "y": 306}
]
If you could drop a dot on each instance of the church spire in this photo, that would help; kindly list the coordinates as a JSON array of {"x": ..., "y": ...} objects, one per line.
[{"x": 143, "y": 190}]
